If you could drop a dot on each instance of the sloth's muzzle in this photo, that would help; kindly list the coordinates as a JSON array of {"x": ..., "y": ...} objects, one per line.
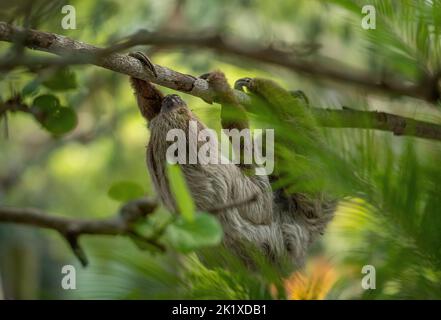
[{"x": 172, "y": 102}]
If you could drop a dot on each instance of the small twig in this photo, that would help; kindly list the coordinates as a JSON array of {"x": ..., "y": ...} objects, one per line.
[
  {"x": 153, "y": 240},
  {"x": 72, "y": 239},
  {"x": 15, "y": 104}
]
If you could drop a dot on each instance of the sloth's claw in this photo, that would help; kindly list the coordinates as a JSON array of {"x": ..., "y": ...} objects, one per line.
[
  {"x": 243, "y": 82},
  {"x": 205, "y": 76},
  {"x": 299, "y": 94},
  {"x": 145, "y": 61}
]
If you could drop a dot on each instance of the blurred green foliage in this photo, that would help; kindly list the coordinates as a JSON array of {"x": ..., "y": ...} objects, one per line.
[
  {"x": 89, "y": 154},
  {"x": 125, "y": 191}
]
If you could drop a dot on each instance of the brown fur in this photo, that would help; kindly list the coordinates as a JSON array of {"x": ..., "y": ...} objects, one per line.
[{"x": 283, "y": 226}]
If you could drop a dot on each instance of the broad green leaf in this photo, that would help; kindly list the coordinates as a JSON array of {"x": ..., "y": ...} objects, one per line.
[
  {"x": 46, "y": 102},
  {"x": 61, "y": 120},
  {"x": 61, "y": 80},
  {"x": 186, "y": 236},
  {"x": 125, "y": 190},
  {"x": 180, "y": 192}
]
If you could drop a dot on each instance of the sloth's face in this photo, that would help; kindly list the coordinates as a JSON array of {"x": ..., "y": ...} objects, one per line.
[
  {"x": 174, "y": 114},
  {"x": 172, "y": 102}
]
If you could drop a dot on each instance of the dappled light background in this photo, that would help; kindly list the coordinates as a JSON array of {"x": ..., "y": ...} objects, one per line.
[{"x": 389, "y": 215}]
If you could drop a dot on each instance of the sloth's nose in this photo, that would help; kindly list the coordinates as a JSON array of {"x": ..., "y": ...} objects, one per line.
[{"x": 171, "y": 102}]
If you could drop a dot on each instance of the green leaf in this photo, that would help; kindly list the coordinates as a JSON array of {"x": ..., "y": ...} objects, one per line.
[
  {"x": 30, "y": 88},
  {"x": 143, "y": 227},
  {"x": 46, "y": 102},
  {"x": 180, "y": 192},
  {"x": 61, "y": 120},
  {"x": 125, "y": 190},
  {"x": 186, "y": 236},
  {"x": 61, "y": 80}
]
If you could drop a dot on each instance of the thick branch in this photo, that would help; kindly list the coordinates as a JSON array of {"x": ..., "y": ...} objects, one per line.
[
  {"x": 78, "y": 52},
  {"x": 427, "y": 90}
]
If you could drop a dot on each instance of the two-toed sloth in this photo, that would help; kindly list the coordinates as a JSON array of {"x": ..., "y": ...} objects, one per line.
[{"x": 281, "y": 225}]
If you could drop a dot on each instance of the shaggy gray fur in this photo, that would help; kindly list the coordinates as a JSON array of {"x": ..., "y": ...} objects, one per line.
[{"x": 282, "y": 226}]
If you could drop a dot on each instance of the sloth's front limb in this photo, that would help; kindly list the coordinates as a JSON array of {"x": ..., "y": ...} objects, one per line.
[
  {"x": 234, "y": 119},
  {"x": 149, "y": 98},
  {"x": 233, "y": 114},
  {"x": 286, "y": 105},
  {"x": 313, "y": 211}
]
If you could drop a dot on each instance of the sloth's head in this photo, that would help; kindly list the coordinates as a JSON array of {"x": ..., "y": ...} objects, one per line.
[
  {"x": 171, "y": 103},
  {"x": 174, "y": 114}
]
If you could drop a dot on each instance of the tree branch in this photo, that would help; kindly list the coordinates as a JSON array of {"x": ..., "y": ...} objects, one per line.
[
  {"x": 398, "y": 125},
  {"x": 82, "y": 53},
  {"x": 74, "y": 51},
  {"x": 71, "y": 229},
  {"x": 121, "y": 224},
  {"x": 427, "y": 90}
]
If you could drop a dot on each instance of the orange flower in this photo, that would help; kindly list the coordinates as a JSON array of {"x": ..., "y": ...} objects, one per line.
[{"x": 314, "y": 284}]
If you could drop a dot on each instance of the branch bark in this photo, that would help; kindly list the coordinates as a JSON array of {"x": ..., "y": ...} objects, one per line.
[
  {"x": 398, "y": 125},
  {"x": 77, "y": 52},
  {"x": 71, "y": 229},
  {"x": 428, "y": 89}
]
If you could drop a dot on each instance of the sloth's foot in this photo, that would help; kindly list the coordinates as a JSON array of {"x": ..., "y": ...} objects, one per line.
[
  {"x": 249, "y": 83},
  {"x": 244, "y": 83},
  {"x": 218, "y": 82},
  {"x": 205, "y": 76},
  {"x": 145, "y": 61},
  {"x": 299, "y": 94}
]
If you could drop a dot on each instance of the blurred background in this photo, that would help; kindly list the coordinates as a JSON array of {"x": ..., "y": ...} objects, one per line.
[{"x": 389, "y": 215}]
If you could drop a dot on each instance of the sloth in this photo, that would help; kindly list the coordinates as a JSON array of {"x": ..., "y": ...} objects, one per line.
[{"x": 280, "y": 225}]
